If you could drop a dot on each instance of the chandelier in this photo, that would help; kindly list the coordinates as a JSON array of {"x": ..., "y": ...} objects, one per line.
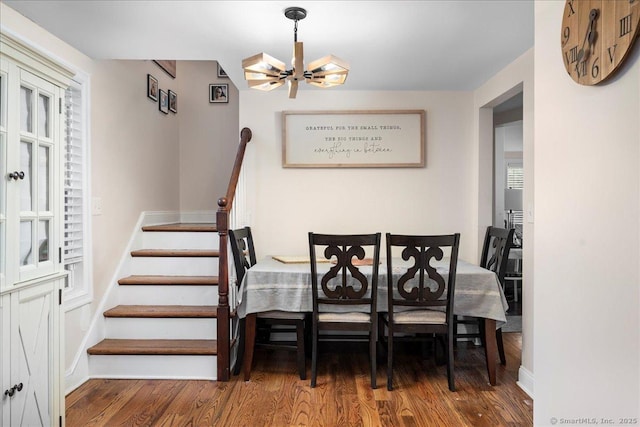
[{"x": 264, "y": 72}]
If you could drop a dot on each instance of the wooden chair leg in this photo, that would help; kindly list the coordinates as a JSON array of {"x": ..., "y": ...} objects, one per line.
[
  {"x": 302, "y": 369},
  {"x": 455, "y": 330},
  {"x": 308, "y": 334},
  {"x": 240, "y": 354},
  {"x": 380, "y": 346},
  {"x": 450, "y": 339},
  {"x": 390, "y": 358},
  {"x": 314, "y": 355},
  {"x": 373, "y": 345},
  {"x": 503, "y": 358},
  {"x": 250, "y": 341}
]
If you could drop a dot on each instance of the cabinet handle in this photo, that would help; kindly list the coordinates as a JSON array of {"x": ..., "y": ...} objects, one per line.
[
  {"x": 12, "y": 390},
  {"x": 16, "y": 175}
]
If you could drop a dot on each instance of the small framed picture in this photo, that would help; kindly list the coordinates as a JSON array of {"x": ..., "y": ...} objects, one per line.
[
  {"x": 163, "y": 105},
  {"x": 173, "y": 101},
  {"x": 152, "y": 87},
  {"x": 221, "y": 72},
  {"x": 218, "y": 93},
  {"x": 169, "y": 67}
]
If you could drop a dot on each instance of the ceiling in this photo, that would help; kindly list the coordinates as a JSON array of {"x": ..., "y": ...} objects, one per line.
[{"x": 390, "y": 45}]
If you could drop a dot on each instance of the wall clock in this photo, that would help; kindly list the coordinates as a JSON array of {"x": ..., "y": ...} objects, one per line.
[{"x": 597, "y": 36}]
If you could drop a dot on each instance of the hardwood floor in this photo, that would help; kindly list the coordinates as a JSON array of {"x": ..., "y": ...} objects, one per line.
[{"x": 275, "y": 396}]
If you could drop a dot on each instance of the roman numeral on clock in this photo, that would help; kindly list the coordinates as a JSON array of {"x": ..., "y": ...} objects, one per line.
[
  {"x": 625, "y": 25},
  {"x": 571, "y": 56}
]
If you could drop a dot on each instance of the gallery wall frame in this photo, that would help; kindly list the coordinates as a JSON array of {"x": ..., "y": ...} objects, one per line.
[
  {"x": 163, "y": 102},
  {"x": 354, "y": 139},
  {"x": 152, "y": 87},
  {"x": 218, "y": 93},
  {"x": 173, "y": 101},
  {"x": 221, "y": 72},
  {"x": 169, "y": 67}
]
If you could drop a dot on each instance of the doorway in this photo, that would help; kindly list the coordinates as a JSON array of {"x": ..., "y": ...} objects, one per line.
[{"x": 508, "y": 186}]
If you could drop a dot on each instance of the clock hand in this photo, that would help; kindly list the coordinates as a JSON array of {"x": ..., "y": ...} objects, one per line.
[{"x": 590, "y": 35}]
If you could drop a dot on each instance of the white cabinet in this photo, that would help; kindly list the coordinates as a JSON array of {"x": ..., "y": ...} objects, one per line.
[
  {"x": 32, "y": 392},
  {"x": 31, "y": 221},
  {"x": 31, "y": 145}
]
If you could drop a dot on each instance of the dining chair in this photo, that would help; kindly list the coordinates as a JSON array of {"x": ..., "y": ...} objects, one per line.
[
  {"x": 345, "y": 296},
  {"x": 419, "y": 296},
  {"x": 244, "y": 257},
  {"x": 495, "y": 256}
]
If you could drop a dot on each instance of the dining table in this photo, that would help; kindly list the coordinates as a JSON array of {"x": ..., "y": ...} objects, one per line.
[{"x": 284, "y": 284}]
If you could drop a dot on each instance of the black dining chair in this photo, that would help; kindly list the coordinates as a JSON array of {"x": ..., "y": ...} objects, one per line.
[
  {"x": 419, "y": 297},
  {"x": 495, "y": 256},
  {"x": 244, "y": 257},
  {"x": 344, "y": 297}
]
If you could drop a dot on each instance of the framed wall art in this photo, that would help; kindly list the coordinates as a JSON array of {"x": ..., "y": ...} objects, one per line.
[
  {"x": 353, "y": 139},
  {"x": 169, "y": 67},
  {"x": 173, "y": 101},
  {"x": 152, "y": 87},
  {"x": 221, "y": 72},
  {"x": 218, "y": 93},
  {"x": 163, "y": 103}
]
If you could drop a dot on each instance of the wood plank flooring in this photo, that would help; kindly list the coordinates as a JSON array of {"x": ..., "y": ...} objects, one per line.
[{"x": 275, "y": 396}]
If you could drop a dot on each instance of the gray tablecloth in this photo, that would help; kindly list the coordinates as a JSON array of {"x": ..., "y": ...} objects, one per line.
[{"x": 273, "y": 285}]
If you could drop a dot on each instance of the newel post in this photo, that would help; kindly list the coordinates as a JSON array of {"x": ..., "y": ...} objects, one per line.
[{"x": 224, "y": 348}]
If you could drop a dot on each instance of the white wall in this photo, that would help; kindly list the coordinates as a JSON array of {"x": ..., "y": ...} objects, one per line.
[
  {"x": 285, "y": 204},
  {"x": 209, "y": 136},
  {"x": 587, "y": 236}
]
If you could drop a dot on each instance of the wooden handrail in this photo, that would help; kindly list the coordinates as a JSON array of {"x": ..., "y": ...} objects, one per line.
[{"x": 225, "y": 204}]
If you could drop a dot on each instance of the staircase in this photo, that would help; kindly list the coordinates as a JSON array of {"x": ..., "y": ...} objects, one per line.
[{"x": 165, "y": 323}]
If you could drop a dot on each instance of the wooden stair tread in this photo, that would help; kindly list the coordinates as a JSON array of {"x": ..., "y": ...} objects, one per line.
[
  {"x": 175, "y": 253},
  {"x": 155, "y": 347},
  {"x": 169, "y": 280},
  {"x": 163, "y": 311},
  {"x": 177, "y": 227}
]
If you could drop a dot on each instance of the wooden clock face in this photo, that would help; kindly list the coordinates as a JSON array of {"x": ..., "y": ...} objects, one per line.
[{"x": 597, "y": 36}]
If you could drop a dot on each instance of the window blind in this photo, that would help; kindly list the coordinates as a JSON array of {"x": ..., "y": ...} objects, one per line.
[
  {"x": 515, "y": 179},
  {"x": 73, "y": 180}
]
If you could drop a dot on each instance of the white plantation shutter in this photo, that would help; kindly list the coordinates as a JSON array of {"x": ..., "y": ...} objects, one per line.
[
  {"x": 515, "y": 179},
  {"x": 73, "y": 181},
  {"x": 515, "y": 176},
  {"x": 77, "y": 192}
]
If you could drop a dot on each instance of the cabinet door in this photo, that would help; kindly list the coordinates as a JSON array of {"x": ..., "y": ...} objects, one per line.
[
  {"x": 5, "y": 374},
  {"x": 35, "y": 157},
  {"x": 33, "y": 355}
]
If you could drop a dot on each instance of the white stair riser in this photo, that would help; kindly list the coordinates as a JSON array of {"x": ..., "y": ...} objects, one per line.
[
  {"x": 158, "y": 367},
  {"x": 182, "y": 240},
  {"x": 160, "y": 328},
  {"x": 175, "y": 266},
  {"x": 167, "y": 295}
]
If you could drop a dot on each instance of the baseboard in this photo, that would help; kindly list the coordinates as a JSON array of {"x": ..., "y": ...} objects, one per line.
[{"x": 525, "y": 381}]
